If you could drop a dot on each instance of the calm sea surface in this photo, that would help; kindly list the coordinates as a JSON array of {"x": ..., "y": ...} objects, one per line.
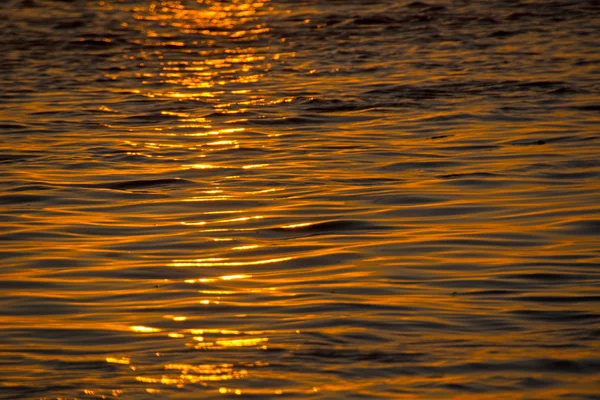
[{"x": 205, "y": 199}]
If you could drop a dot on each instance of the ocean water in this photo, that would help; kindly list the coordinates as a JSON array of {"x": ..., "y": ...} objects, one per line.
[{"x": 206, "y": 199}]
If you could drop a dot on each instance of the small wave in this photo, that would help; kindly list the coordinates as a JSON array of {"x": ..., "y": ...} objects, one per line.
[
  {"x": 374, "y": 20},
  {"x": 144, "y": 183},
  {"x": 22, "y": 198},
  {"x": 558, "y": 316},
  {"x": 585, "y": 228},
  {"x": 326, "y": 227},
  {"x": 420, "y": 165}
]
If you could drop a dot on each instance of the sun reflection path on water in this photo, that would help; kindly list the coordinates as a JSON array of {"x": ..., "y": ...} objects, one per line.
[
  {"x": 177, "y": 374},
  {"x": 189, "y": 66}
]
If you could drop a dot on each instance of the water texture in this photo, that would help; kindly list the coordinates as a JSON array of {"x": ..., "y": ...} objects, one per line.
[{"x": 206, "y": 199}]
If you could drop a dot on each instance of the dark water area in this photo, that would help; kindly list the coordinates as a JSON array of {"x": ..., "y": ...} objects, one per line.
[{"x": 205, "y": 199}]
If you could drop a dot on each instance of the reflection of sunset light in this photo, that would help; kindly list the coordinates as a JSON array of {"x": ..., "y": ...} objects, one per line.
[
  {"x": 175, "y": 114},
  {"x": 248, "y": 247},
  {"x": 224, "y": 212},
  {"x": 241, "y": 342},
  {"x": 267, "y": 190},
  {"x": 173, "y": 63},
  {"x": 214, "y": 263},
  {"x": 254, "y": 166},
  {"x": 187, "y": 373},
  {"x": 165, "y": 380},
  {"x": 224, "y": 278},
  {"x": 190, "y": 95},
  {"x": 201, "y": 166},
  {"x": 197, "y": 120},
  {"x": 206, "y": 198},
  {"x": 242, "y": 219},
  {"x": 216, "y": 292},
  {"x": 122, "y": 360},
  {"x": 222, "y": 143},
  {"x": 144, "y": 329},
  {"x": 297, "y": 225},
  {"x": 232, "y": 277}
]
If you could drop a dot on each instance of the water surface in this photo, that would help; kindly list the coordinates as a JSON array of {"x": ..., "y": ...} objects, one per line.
[{"x": 299, "y": 199}]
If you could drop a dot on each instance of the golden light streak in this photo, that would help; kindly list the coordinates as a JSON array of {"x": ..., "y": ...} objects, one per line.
[
  {"x": 232, "y": 277},
  {"x": 122, "y": 360},
  {"x": 224, "y": 278},
  {"x": 212, "y": 263},
  {"x": 241, "y": 342},
  {"x": 255, "y": 166},
  {"x": 216, "y": 292},
  {"x": 297, "y": 225},
  {"x": 213, "y": 198},
  {"x": 200, "y": 166},
  {"x": 222, "y": 143},
  {"x": 240, "y": 219},
  {"x": 144, "y": 329},
  {"x": 224, "y": 212},
  {"x": 248, "y": 247}
]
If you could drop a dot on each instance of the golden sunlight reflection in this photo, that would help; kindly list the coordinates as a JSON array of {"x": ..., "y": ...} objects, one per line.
[
  {"x": 224, "y": 278},
  {"x": 233, "y": 277},
  {"x": 196, "y": 71},
  {"x": 261, "y": 393},
  {"x": 207, "y": 198},
  {"x": 217, "y": 292},
  {"x": 255, "y": 166},
  {"x": 189, "y": 374},
  {"x": 213, "y": 68},
  {"x": 192, "y": 68},
  {"x": 120, "y": 360},
  {"x": 223, "y": 212},
  {"x": 247, "y": 247},
  {"x": 241, "y": 342},
  {"x": 241, "y": 219},
  {"x": 292, "y": 226},
  {"x": 224, "y": 262},
  {"x": 200, "y": 166},
  {"x": 177, "y": 318},
  {"x": 144, "y": 329},
  {"x": 203, "y": 341},
  {"x": 187, "y": 183}
]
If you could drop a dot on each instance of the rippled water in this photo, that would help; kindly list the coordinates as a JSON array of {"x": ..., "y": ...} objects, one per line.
[{"x": 299, "y": 199}]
